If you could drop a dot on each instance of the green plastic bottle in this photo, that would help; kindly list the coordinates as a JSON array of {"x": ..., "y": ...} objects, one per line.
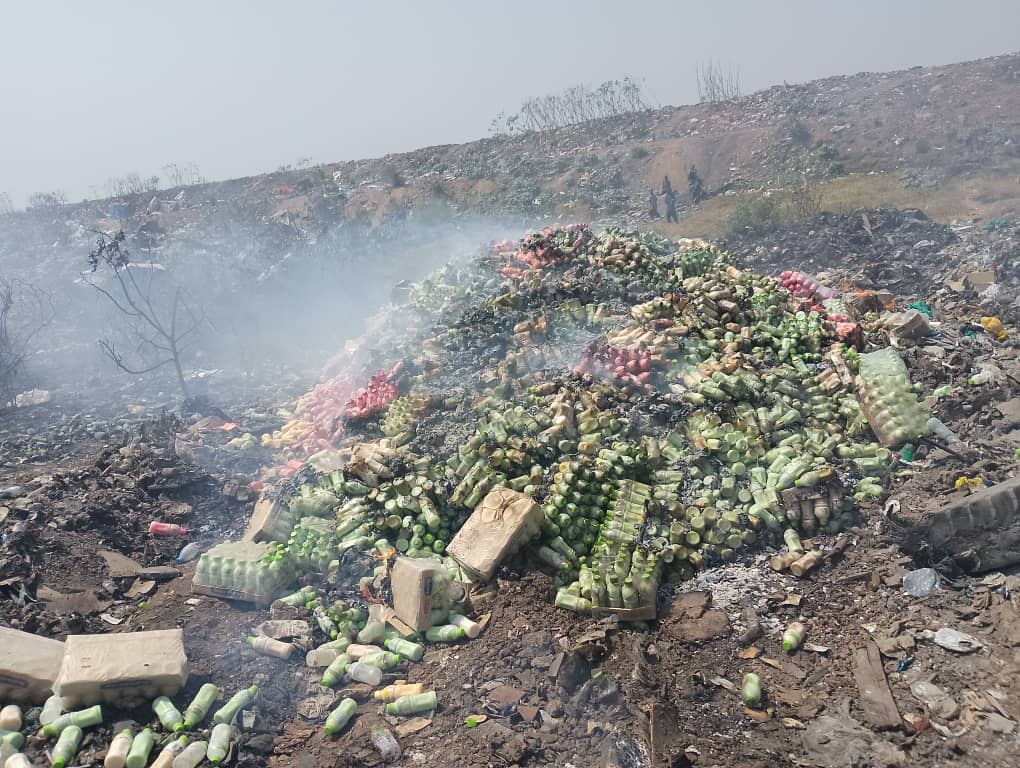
[
  {"x": 141, "y": 747},
  {"x": 336, "y": 671},
  {"x": 219, "y": 743},
  {"x": 341, "y": 716},
  {"x": 200, "y": 705},
  {"x": 411, "y": 705},
  {"x": 11, "y": 740},
  {"x": 412, "y": 651},
  {"x": 445, "y": 633},
  {"x": 67, "y": 746},
  {"x": 169, "y": 716},
  {"x": 83, "y": 718},
  {"x": 383, "y": 660},
  {"x": 238, "y": 701}
]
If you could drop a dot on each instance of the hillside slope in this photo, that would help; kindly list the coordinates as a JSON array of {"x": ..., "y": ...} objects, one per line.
[{"x": 929, "y": 128}]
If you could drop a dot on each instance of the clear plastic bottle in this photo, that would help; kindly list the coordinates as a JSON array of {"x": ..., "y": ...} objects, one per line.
[
  {"x": 321, "y": 657},
  {"x": 219, "y": 743},
  {"x": 192, "y": 755},
  {"x": 365, "y": 673},
  {"x": 141, "y": 747},
  {"x": 116, "y": 755},
  {"x": 169, "y": 716},
  {"x": 189, "y": 552},
  {"x": 385, "y": 742},
  {"x": 52, "y": 709}
]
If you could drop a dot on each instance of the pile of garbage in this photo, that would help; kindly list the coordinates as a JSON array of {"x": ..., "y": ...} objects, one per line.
[{"x": 619, "y": 408}]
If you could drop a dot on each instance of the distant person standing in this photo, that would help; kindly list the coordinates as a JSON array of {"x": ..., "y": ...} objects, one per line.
[
  {"x": 670, "y": 197},
  {"x": 695, "y": 186},
  {"x": 653, "y": 204},
  {"x": 666, "y": 186}
]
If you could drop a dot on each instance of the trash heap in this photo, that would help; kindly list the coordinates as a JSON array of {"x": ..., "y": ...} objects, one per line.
[{"x": 661, "y": 409}]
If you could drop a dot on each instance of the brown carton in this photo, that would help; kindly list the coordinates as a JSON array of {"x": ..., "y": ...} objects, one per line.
[
  {"x": 29, "y": 665},
  {"x": 499, "y": 526},
  {"x": 271, "y": 520},
  {"x": 121, "y": 669},
  {"x": 413, "y": 581}
]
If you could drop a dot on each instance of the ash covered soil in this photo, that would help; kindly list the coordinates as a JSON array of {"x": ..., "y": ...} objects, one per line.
[{"x": 546, "y": 686}]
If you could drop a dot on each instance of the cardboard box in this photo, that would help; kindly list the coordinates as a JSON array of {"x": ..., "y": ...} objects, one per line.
[
  {"x": 413, "y": 581},
  {"x": 29, "y": 665},
  {"x": 271, "y": 520},
  {"x": 500, "y": 525},
  {"x": 123, "y": 669}
]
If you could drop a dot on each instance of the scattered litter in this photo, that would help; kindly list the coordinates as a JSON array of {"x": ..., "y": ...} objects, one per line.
[
  {"x": 954, "y": 640},
  {"x": 921, "y": 583}
]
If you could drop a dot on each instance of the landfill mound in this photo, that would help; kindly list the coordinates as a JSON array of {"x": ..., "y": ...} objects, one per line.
[
  {"x": 879, "y": 248},
  {"x": 665, "y": 409}
]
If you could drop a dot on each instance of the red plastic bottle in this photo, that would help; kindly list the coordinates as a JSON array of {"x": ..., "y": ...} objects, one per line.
[{"x": 157, "y": 528}]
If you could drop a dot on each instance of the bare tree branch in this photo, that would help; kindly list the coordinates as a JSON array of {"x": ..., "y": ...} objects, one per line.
[{"x": 155, "y": 317}]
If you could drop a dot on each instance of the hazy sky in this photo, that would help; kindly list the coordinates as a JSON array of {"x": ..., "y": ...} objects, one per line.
[{"x": 92, "y": 89}]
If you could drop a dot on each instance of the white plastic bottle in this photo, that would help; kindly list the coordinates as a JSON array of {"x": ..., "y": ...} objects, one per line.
[
  {"x": 116, "y": 755},
  {"x": 364, "y": 673},
  {"x": 270, "y": 646},
  {"x": 165, "y": 759},
  {"x": 10, "y": 718},
  {"x": 18, "y": 760},
  {"x": 471, "y": 628},
  {"x": 192, "y": 755},
  {"x": 321, "y": 656},
  {"x": 52, "y": 709}
]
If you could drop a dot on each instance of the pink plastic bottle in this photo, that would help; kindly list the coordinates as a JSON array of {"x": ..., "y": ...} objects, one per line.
[{"x": 157, "y": 528}]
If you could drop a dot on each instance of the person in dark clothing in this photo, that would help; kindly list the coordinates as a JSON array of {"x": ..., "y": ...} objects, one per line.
[
  {"x": 694, "y": 185},
  {"x": 670, "y": 197},
  {"x": 666, "y": 186},
  {"x": 653, "y": 204}
]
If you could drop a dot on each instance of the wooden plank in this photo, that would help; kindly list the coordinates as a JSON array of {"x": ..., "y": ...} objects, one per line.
[{"x": 877, "y": 700}]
